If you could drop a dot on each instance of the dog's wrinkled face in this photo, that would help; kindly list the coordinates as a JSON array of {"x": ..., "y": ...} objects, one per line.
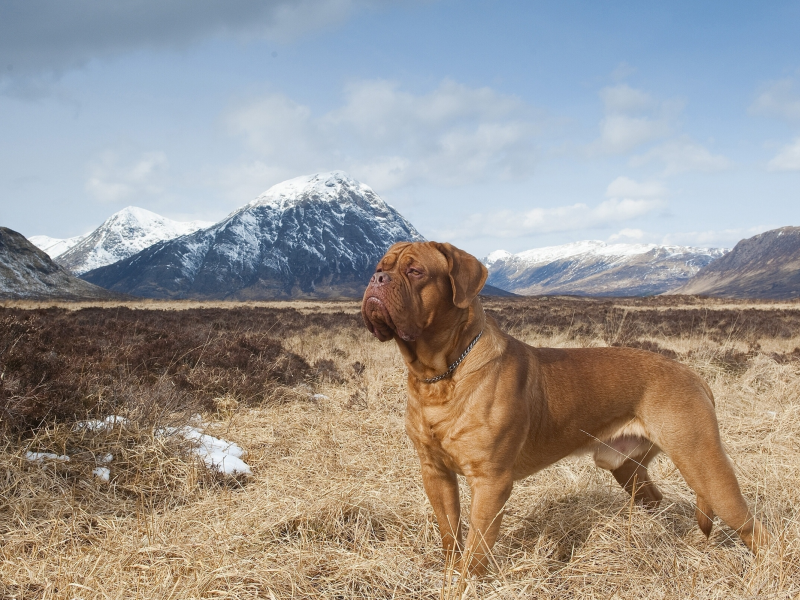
[{"x": 416, "y": 284}]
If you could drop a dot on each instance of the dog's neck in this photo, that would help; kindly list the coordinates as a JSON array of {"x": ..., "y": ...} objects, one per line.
[{"x": 443, "y": 342}]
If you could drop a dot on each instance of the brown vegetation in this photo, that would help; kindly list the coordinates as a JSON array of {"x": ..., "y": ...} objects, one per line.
[{"x": 335, "y": 507}]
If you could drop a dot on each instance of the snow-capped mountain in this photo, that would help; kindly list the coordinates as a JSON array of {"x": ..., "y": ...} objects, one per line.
[
  {"x": 26, "y": 272},
  {"x": 763, "y": 266},
  {"x": 125, "y": 233},
  {"x": 55, "y": 246},
  {"x": 594, "y": 268},
  {"x": 317, "y": 236}
]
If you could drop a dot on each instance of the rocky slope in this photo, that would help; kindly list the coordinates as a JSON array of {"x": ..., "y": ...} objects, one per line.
[
  {"x": 317, "y": 236},
  {"x": 125, "y": 233},
  {"x": 26, "y": 272},
  {"x": 764, "y": 266},
  {"x": 594, "y": 268}
]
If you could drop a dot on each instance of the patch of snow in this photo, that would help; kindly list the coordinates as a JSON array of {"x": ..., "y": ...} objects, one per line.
[
  {"x": 101, "y": 424},
  {"x": 495, "y": 256},
  {"x": 102, "y": 473},
  {"x": 43, "y": 456},
  {"x": 221, "y": 455}
]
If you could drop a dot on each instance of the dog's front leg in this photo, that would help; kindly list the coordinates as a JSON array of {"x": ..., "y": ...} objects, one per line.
[
  {"x": 489, "y": 496},
  {"x": 441, "y": 485}
]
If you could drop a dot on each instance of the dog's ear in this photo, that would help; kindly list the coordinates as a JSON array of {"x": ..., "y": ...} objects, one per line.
[{"x": 467, "y": 274}]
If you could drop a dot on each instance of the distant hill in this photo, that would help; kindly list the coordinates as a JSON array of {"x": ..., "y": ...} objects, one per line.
[
  {"x": 318, "y": 236},
  {"x": 26, "y": 272},
  {"x": 594, "y": 268},
  {"x": 123, "y": 234},
  {"x": 490, "y": 290},
  {"x": 763, "y": 266},
  {"x": 54, "y": 246}
]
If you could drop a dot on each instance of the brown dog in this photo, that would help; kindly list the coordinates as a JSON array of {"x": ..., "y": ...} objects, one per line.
[{"x": 508, "y": 410}]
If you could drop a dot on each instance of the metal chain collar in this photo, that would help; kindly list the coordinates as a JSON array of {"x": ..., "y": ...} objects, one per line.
[{"x": 452, "y": 367}]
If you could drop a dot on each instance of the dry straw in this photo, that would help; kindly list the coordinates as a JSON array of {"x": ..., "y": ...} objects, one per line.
[{"x": 336, "y": 509}]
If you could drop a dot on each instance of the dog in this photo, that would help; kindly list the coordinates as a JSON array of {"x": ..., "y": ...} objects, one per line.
[{"x": 484, "y": 405}]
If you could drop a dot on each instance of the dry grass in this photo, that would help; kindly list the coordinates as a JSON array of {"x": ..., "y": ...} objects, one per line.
[{"x": 336, "y": 509}]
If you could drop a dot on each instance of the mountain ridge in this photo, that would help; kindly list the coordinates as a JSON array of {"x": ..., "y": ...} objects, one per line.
[
  {"x": 766, "y": 265},
  {"x": 595, "y": 268},
  {"x": 27, "y": 272},
  {"x": 316, "y": 236}
]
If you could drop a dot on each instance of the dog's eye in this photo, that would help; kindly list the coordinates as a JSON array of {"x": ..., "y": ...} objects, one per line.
[{"x": 414, "y": 272}]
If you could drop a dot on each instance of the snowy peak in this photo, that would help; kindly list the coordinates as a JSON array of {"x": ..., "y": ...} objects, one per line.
[
  {"x": 144, "y": 223},
  {"x": 593, "y": 267},
  {"x": 54, "y": 246},
  {"x": 335, "y": 186},
  {"x": 125, "y": 233}
]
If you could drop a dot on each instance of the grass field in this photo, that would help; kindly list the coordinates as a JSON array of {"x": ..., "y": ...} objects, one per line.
[{"x": 335, "y": 506}]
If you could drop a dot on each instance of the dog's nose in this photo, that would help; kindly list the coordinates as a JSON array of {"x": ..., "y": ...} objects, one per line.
[{"x": 380, "y": 278}]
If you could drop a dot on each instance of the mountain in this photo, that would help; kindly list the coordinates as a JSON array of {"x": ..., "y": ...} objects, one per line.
[
  {"x": 594, "y": 268},
  {"x": 54, "y": 246},
  {"x": 26, "y": 272},
  {"x": 490, "y": 290},
  {"x": 763, "y": 266},
  {"x": 318, "y": 236},
  {"x": 123, "y": 234}
]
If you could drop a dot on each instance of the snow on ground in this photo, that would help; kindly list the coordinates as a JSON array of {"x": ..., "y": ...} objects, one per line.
[
  {"x": 102, "y": 473},
  {"x": 43, "y": 456},
  {"x": 222, "y": 455},
  {"x": 217, "y": 454},
  {"x": 101, "y": 424}
]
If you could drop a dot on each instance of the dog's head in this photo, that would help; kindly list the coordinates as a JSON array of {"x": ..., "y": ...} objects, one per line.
[{"x": 417, "y": 285}]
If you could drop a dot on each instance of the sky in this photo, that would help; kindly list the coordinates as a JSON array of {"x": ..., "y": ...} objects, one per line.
[{"x": 489, "y": 124}]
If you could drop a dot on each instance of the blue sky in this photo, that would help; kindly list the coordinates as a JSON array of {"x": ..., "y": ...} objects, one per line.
[{"x": 489, "y": 124}]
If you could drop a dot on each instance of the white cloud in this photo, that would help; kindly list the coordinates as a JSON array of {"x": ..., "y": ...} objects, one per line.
[
  {"x": 681, "y": 155},
  {"x": 627, "y": 200},
  {"x": 390, "y": 137},
  {"x": 575, "y": 217},
  {"x": 788, "y": 159},
  {"x": 632, "y": 118},
  {"x": 622, "y": 71},
  {"x": 721, "y": 238},
  {"x": 624, "y": 187},
  {"x": 625, "y": 99},
  {"x": 620, "y": 134},
  {"x": 778, "y": 99},
  {"x": 627, "y": 234},
  {"x": 111, "y": 182}
]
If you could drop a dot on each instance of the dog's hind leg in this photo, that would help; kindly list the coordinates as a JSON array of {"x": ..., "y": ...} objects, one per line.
[
  {"x": 633, "y": 476},
  {"x": 705, "y": 515},
  {"x": 695, "y": 447}
]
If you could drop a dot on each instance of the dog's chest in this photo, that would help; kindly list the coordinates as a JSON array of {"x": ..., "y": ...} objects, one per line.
[{"x": 434, "y": 430}]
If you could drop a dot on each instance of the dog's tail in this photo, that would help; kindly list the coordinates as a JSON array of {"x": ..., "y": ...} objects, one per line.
[{"x": 705, "y": 516}]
